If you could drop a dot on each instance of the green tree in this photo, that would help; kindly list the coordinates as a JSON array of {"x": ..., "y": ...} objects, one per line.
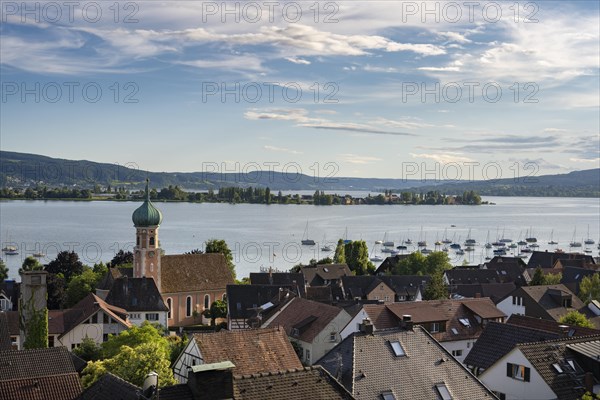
[
  {"x": 589, "y": 288},
  {"x": 220, "y": 246},
  {"x": 133, "y": 337},
  {"x": 3, "y": 271},
  {"x": 218, "y": 309},
  {"x": 66, "y": 263},
  {"x": 81, "y": 285},
  {"x": 436, "y": 289},
  {"x": 537, "y": 278},
  {"x": 552, "y": 279},
  {"x": 133, "y": 364},
  {"x": 57, "y": 294},
  {"x": 574, "y": 317},
  {"x": 340, "y": 253},
  {"x": 121, "y": 258},
  {"x": 357, "y": 258},
  {"x": 89, "y": 350},
  {"x": 30, "y": 264}
]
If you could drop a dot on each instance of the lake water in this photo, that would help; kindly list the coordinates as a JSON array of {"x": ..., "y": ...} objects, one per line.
[{"x": 263, "y": 236}]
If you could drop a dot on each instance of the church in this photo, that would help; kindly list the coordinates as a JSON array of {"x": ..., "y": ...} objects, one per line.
[{"x": 187, "y": 283}]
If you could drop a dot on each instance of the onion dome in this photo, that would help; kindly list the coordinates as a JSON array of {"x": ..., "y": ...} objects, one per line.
[{"x": 146, "y": 214}]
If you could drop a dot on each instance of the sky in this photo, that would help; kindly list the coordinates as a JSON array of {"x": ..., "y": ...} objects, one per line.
[{"x": 384, "y": 89}]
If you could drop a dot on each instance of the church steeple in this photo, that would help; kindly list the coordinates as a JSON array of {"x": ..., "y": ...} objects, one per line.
[{"x": 146, "y": 256}]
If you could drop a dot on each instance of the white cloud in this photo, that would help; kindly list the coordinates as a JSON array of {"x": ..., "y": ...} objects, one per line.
[
  {"x": 443, "y": 158},
  {"x": 296, "y": 60},
  {"x": 356, "y": 159},
  {"x": 281, "y": 149}
]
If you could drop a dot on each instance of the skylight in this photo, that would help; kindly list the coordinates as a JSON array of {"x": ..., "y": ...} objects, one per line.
[
  {"x": 455, "y": 331},
  {"x": 388, "y": 396},
  {"x": 443, "y": 391},
  {"x": 398, "y": 349},
  {"x": 557, "y": 368},
  {"x": 465, "y": 322}
]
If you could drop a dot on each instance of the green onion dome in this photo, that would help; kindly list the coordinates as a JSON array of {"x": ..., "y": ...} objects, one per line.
[{"x": 147, "y": 214}]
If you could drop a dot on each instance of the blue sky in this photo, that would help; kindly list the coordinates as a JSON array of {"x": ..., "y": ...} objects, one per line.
[{"x": 392, "y": 71}]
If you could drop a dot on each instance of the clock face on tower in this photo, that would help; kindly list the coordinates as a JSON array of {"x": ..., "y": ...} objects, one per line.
[{"x": 151, "y": 254}]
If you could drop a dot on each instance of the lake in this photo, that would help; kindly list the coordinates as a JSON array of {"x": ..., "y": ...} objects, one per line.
[{"x": 264, "y": 236}]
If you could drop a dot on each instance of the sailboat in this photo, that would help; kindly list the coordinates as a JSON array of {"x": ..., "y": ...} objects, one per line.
[
  {"x": 469, "y": 241},
  {"x": 446, "y": 240},
  {"x": 504, "y": 239},
  {"x": 552, "y": 238},
  {"x": 387, "y": 243},
  {"x": 325, "y": 246},
  {"x": 531, "y": 239},
  {"x": 488, "y": 245},
  {"x": 422, "y": 243},
  {"x": 589, "y": 240},
  {"x": 305, "y": 240},
  {"x": 573, "y": 242},
  {"x": 408, "y": 241}
]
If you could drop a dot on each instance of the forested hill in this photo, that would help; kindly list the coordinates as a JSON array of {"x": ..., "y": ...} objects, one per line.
[
  {"x": 25, "y": 170},
  {"x": 574, "y": 184}
]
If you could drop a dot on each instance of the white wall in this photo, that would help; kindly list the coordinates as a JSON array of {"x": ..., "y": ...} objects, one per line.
[
  {"x": 353, "y": 325},
  {"x": 190, "y": 356},
  {"x": 93, "y": 331},
  {"x": 162, "y": 317},
  {"x": 508, "y": 308},
  {"x": 495, "y": 378},
  {"x": 464, "y": 345},
  {"x": 322, "y": 343}
]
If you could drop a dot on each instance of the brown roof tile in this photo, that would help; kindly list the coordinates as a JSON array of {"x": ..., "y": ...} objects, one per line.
[
  {"x": 298, "y": 311},
  {"x": 381, "y": 316},
  {"x": 56, "y": 387},
  {"x": 194, "y": 272},
  {"x": 252, "y": 351},
  {"x": 301, "y": 384},
  {"x": 549, "y": 326}
]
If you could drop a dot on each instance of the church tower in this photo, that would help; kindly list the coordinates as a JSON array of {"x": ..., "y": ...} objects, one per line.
[{"x": 146, "y": 253}]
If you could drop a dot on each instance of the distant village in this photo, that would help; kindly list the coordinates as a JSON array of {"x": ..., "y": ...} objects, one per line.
[{"x": 151, "y": 325}]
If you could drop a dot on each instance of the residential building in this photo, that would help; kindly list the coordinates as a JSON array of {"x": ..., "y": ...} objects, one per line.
[
  {"x": 249, "y": 305},
  {"x": 389, "y": 264},
  {"x": 544, "y": 301},
  {"x": 111, "y": 387},
  {"x": 314, "y": 327},
  {"x": 253, "y": 351},
  {"x": 140, "y": 298},
  {"x": 9, "y": 295},
  {"x": 548, "y": 259},
  {"x": 495, "y": 291},
  {"x": 295, "y": 280},
  {"x": 400, "y": 364},
  {"x": 35, "y": 374},
  {"x": 553, "y": 369},
  {"x": 384, "y": 288},
  {"x": 324, "y": 274},
  {"x": 509, "y": 269}
]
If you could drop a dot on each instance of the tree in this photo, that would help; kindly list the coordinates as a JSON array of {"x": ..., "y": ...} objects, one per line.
[
  {"x": 133, "y": 337},
  {"x": 218, "y": 309},
  {"x": 133, "y": 364},
  {"x": 340, "y": 253},
  {"x": 538, "y": 278},
  {"x": 436, "y": 289},
  {"x": 195, "y": 251},
  {"x": 220, "y": 246},
  {"x": 357, "y": 258},
  {"x": 3, "y": 271},
  {"x": 81, "y": 285},
  {"x": 589, "y": 288},
  {"x": 89, "y": 350},
  {"x": 121, "y": 258},
  {"x": 30, "y": 264},
  {"x": 66, "y": 263},
  {"x": 57, "y": 295},
  {"x": 552, "y": 279},
  {"x": 576, "y": 318}
]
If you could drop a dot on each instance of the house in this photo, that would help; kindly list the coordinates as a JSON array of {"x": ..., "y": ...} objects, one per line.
[
  {"x": 495, "y": 291},
  {"x": 296, "y": 280},
  {"x": 389, "y": 264},
  {"x": 140, "y": 298},
  {"x": 324, "y": 274},
  {"x": 553, "y": 369},
  {"x": 252, "y": 351},
  {"x": 35, "y": 374},
  {"x": 9, "y": 295},
  {"x": 313, "y": 327},
  {"x": 188, "y": 283},
  {"x": 248, "y": 305},
  {"x": 544, "y": 301},
  {"x": 547, "y": 259},
  {"x": 562, "y": 330},
  {"x": 217, "y": 382},
  {"x": 400, "y": 364},
  {"x": 509, "y": 269},
  {"x": 456, "y": 324},
  {"x": 572, "y": 277},
  {"x": 105, "y": 284},
  {"x": 111, "y": 387},
  {"x": 384, "y": 288}
]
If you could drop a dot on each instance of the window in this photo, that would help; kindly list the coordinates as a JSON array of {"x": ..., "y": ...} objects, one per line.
[
  {"x": 169, "y": 305},
  {"x": 435, "y": 327},
  {"x": 332, "y": 337},
  {"x": 455, "y": 331},
  {"x": 105, "y": 337},
  {"x": 457, "y": 353},
  {"x": 50, "y": 341},
  {"x": 188, "y": 306},
  {"x": 152, "y": 316},
  {"x": 295, "y": 332},
  {"x": 388, "y": 396},
  {"x": 206, "y": 301},
  {"x": 443, "y": 391},
  {"x": 465, "y": 322},
  {"x": 398, "y": 349},
  {"x": 307, "y": 355},
  {"x": 557, "y": 368},
  {"x": 468, "y": 345},
  {"x": 105, "y": 318},
  {"x": 151, "y": 240},
  {"x": 138, "y": 241},
  {"x": 95, "y": 319},
  {"x": 566, "y": 303},
  {"x": 519, "y": 372}
]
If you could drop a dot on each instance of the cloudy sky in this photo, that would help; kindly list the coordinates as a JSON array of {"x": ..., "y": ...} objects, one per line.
[{"x": 346, "y": 88}]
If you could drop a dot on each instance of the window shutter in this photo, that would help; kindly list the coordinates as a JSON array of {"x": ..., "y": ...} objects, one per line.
[
  {"x": 527, "y": 371},
  {"x": 509, "y": 370}
]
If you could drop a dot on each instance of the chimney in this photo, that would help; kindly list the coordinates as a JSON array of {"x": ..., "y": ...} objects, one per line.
[
  {"x": 211, "y": 381},
  {"x": 33, "y": 310},
  {"x": 407, "y": 323},
  {"x": 367, "y": 327},
  {"x": 477, "y": 295}
]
